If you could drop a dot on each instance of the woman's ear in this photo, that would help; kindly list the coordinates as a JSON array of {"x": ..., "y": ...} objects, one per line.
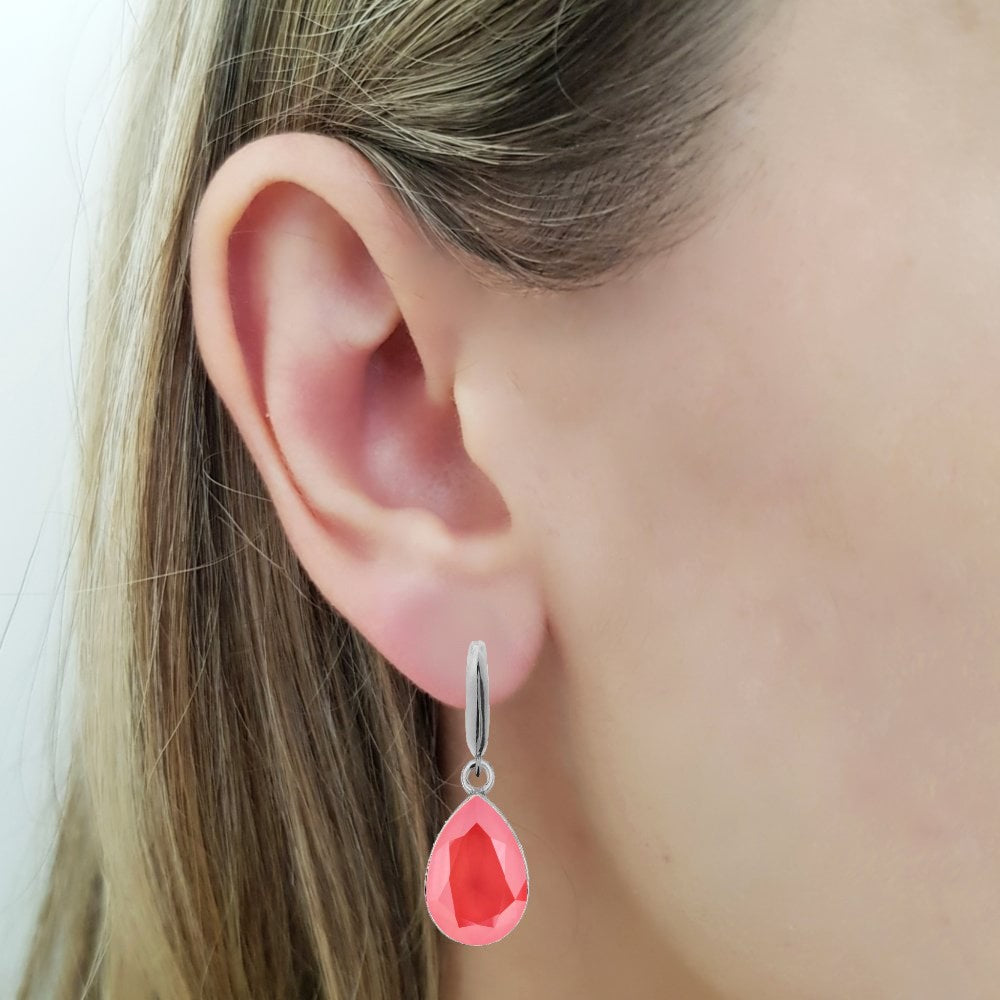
[{"x": 332, "y": 330}]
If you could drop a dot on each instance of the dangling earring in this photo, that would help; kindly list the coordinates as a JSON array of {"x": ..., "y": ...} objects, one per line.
[{"x": 476, "y": 884}]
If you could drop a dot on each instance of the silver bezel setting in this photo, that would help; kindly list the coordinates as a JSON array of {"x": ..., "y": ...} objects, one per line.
[{"x": 527, "y": 873}]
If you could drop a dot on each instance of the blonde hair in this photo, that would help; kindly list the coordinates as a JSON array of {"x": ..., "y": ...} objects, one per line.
[{"x": 253, "y": 789}]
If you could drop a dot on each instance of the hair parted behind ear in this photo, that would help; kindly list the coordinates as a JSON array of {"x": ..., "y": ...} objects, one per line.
[
  {"x": 550, "y": 141},
  {"x": 253, "y": 790}
]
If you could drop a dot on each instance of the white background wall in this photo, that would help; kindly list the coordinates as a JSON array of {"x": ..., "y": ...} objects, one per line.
[{"x": 60, "y": 62}]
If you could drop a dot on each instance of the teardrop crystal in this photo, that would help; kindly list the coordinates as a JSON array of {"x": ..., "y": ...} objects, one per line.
[{"x": 476, "y": 883}]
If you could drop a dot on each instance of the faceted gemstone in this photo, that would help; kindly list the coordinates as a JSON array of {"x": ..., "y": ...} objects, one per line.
[{"x": 477, "y": 879}]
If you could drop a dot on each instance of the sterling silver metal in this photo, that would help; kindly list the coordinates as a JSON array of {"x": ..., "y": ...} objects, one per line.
[
  {"x": 474, "y": 765},
  {"x": 477, "y": 699},
  {"x": 477, "y": 717}
]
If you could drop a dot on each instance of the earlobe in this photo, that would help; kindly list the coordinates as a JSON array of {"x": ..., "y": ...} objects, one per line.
[{"x": 313, "y": 302}]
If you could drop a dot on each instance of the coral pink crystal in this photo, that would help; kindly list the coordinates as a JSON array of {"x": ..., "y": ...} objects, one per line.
[{"x": 477, "y": 879}]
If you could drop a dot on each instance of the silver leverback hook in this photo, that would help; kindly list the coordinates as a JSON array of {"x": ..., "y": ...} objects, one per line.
[{"x": 477, "y": 715}]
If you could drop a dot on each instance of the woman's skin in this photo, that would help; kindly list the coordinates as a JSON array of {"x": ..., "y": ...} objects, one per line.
[{"x": 730, "y": 526}]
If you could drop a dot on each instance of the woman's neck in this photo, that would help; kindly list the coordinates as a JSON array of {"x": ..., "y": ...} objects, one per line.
[{"x": 582, "y": 935}]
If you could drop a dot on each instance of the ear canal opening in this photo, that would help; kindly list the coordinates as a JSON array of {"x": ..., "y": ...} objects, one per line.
[{"x": 413, "y": 449}]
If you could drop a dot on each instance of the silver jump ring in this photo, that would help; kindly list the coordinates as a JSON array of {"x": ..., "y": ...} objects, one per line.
[{"x": 477, "y": 764}]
